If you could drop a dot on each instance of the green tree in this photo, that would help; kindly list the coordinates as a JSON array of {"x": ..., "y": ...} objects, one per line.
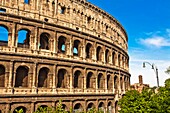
[{"x": 168, "y": 70}]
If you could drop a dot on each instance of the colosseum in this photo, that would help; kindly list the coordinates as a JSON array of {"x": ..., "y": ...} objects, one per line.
[{"x": 69, "y": 50}]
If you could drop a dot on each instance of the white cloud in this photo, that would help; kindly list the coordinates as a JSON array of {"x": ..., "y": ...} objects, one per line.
[{"x": 156, "y": 39}]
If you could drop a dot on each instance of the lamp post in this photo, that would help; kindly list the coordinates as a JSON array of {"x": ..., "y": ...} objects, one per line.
[{"x": 155, "y": 70}]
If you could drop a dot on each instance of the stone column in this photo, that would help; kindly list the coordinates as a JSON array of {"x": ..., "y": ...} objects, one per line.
[
  {"x": 71, "y": 80},
  {"x": 34, "y": 91},
  {"x": 106, "y": 88},
  {"x": 94, "y": 52},
  {"x": 85, "y": 77},
  {"x": 96, "y": 73},
  {"x": 54, "y": 79}
]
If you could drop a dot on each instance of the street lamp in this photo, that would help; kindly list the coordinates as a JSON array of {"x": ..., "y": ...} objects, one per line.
[{"x": 155, "y": 70}]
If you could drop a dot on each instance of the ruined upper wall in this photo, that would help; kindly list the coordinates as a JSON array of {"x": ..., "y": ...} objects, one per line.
[{"x": 75, "y": 14}]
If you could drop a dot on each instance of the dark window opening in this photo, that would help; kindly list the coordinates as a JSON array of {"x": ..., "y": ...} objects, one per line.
[
  {"x": 91, "y": 82},
  {"x": 76, "y": 48},
  {"x": 78, "y": 108},
  {"x": 43, "y": 77},
  {"x": 109, "y": 82},
  {"x": 107, "y": 56},
  {"x": 63, "y": 9},
  {"x": 99, "y": 53},
  {"x": 46, "y": 19},
  {"x": 2, "y": 10},
  {"x": 78, "y": 80},
  {"x": 21, "y": 77},
  {"x": 19, "y": 108},
  {"x": 113, "y": 58},
  {"x": 44, "y": 41},
  {"x": 101, "y": 106},
  {"x": 88, "y": 20},
  {"x": 61, "y": 44},
  {"x": 24, "y": 38},
  {"x": 115, "y": 82},
  {"x": 77, "y": 28},
  {"x": 100, "y": 81},
  {"x": 2, "y": 76},
  {"x": 90, "y": 106},
  {"x": 89, "y": 50},
  {"x": 62, "y": 79},
  {"x": 3, "y": 36}
]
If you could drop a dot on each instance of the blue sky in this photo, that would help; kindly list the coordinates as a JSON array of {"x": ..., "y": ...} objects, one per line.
[{"x": 147, "y": 23}]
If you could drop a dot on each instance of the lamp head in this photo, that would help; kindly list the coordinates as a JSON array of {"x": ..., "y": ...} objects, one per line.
[{"x": 144, "y": 65}]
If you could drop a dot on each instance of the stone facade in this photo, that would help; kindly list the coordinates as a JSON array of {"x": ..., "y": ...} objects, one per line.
[{"x": 73, "y": 51}]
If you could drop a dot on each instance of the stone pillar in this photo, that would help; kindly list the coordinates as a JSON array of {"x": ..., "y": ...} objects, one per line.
[
  {"x": 34, "y": 80},
  {"x": 106, "y": 88},
  {"x": 96, "y": 73},
  {"x": 32, "y": 107},
  {"x": 54, "y": 79},
  {"x": 85, "y": 79},
  {"x": 94, "y": 52},
  {"x": 71, "y": 80},
  {"x": 84, "y": 49}
]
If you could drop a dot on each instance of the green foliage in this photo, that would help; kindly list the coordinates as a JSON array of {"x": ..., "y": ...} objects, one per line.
[
  {"x": 149, "y": 101},
  {"x": 168, "y": 70}
]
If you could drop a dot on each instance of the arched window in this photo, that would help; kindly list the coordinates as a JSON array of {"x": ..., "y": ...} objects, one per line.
[
  {"x": 41, "y": 108},
  {"x": 62, "y": 44},
  {"x": 19, "y": 108},
  {"x": 23, "y": 38},
  {"x": 21, "y": 79},
  {"x": 64, "y": 107},
  {"x": 62, "y": 79},
  {"x": 89, "y": 51},
  {"x": 110, "y": 107},
  {"x": 78, "y": 108},
  {"x": 121, "y": 83},
  {"x": 76, "y": 48},
  {"x": 113, "y": 58},
  {"x": 26, "y": 1},
  {"x": 101, "y": 107},
  {"x": 90, "y": 106},
  {"x": 63, "y": 10},
  {"x": 99, "y": 54},
  {"x": 44, "y": 41},
  {"x": 116, "y": 82},
  {"x": 3, "y": 35},
  {"x": 91, "y": 82},
  {"x": 101, "y": 81},
  {"x": 107, "y": 56},
  {"x": 78, "y": 80},
  {"x": 109, "y": 82},
  {"x": 2, "y": 76},
  {"x": 43, "y": 77},
  {"x": 119, "y": 60}
]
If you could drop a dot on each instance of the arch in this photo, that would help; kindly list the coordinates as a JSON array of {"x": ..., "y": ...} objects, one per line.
[
  {"x": 43, "y": 77},
  {"x": 113, "y": 58},
  {"x": 89, "y": 50},
  {"x": 101, "y": 106},
  {"x": 26, "y": 1},
  {"x": 107, "y": 56},
  {"x": 119, "y": 60},
  {"x": 24, "y": 38},
  {"x": 76, "y": 48},
  {"x": 116, "y": 82},
  {"x": 78, "y": 108},
  {"x": 41, "y": 108},
  {"x": 64, "y": 107},
  {"x": 90, "y": 106},
  {"x": 101, "y": 81},
  {"x": 91, "y": 81},
  {"x": 78, "y": 79},
  {"x": 24, "y": 109},
  {"x": 21, "y": 79},
  {"x": 109, "y": 82},
  {"x": 62, "y": 79},
  {"x": 110, "y": 107},
  {"x": 62, "y": 44},
  {"x": 3, "y": 35},
  {"x": 44, "y": 41},
  {"x": 121, "y": 83},
  {"x": 2, "y": 76},
  {"x": 99, "y": 54}
]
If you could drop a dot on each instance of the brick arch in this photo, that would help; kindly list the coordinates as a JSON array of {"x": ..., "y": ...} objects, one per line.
[
  {"x": 62, "y": 78},
  {"x": 89, "y": 50},
  {"x": 101, "y": 106},
  {"x": 4, "y": 32},
  {"x": 62, "y": 46},
  {"x": 2, "y": 75},
  {"x": 99, "y": 53},
  {"x": 21, "y": 79},
  {"x": 107, "y": 56},
  {"x": 110, "y": 107},
  {"x": 109, "y": 82},
  {"x": 20, "y": 107},
  {"x": 101, "y": 81},
  {"x": 43, "y": 78},
  {"x": 116, "y": 82},
  {"x": 78, "y": 107},
  {"x": 24, "y": 37},
  {"x": 91, "y": 80},
  {"x": 90, "y": 106},
  {"x": 77, "y": 47},
  {"x": 78, "y": 79},
  {"x": 44, "y": 41}
]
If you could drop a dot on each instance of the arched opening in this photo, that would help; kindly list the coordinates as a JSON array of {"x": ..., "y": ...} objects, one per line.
[
  {"x": 110, "y": 107},
  {"x": 76, "y": 48},
  {"x": 44, "y": 41},
  {"x": 121, "y": 83},
  {"x": 109, "y": 82},
  {"x": 101, "y": 107},
  {"x": 64, "y": 107},
  {"x": 99, "y": 53},
  {"x": 3, "y": 35},
  {"x": 125, "y": 79},
  {"x": 62, "y": 79},
  {"x": 16, "y": 110},
  {"x": 119, "y": 60},
  {"x": 41, "y": 109},
  {"x": 116, "y": 82},
  {"x": 24, "y": 38},
  {"x": 78, "y": 108},
  {"x": 43, "y": 77},
  {"x": 78, "y": 80},
  {"x": 100, "y": 81},
  {"x": 89, "y": 51},
  {"x": 26, "y": 1},
  {"x": 113, "y": 58},
  {"x": 21, "y": 79},
  {"x": 61, "y": 44},
  {"x": 116, "y": 107},
  {"x": 91, "y": 82},
  {"x": 107, "y": 56},
  {"x": 90, "y": 106},
  {"x": 2, "y": 76}
]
